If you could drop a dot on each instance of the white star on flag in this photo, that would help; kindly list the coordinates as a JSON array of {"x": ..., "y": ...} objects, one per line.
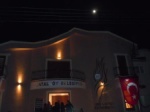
[{"x": 134, "y": 96}]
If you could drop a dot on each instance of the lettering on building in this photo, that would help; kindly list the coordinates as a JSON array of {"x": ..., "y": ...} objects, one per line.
[{"x": 57, "y": 84}]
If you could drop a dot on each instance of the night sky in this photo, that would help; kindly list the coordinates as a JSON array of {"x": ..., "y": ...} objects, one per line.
[{"x": 34, "y": 20}]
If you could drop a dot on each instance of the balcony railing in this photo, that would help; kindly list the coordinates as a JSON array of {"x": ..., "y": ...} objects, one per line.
[
  {"x": 53, "y": 74},
  {"x": 124, "y": 71}
]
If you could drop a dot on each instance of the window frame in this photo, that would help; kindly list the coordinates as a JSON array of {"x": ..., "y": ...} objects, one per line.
[
  {"x": 69, "y": 60},
  {"x": 117, "y": 65},
  {"x": 5, "y": 63}
]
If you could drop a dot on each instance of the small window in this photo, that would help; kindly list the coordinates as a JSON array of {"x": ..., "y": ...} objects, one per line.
[
  {"x": 2, "y": 65},
  {"x": 122, "y": 65},
  {"x": 137, "y": 69},
  {"x": 141, "y": 69}
]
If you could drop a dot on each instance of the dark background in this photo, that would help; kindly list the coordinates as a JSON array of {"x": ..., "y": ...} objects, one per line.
[{"x": 34, "y": 20}]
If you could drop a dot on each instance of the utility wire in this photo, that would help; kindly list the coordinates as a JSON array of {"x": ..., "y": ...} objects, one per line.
[
  {"x": 32, "y": 8},
  {"x": 49, "y": 15}
]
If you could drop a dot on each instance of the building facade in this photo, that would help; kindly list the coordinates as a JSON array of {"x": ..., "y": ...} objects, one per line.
[
  {"x": 80, "y": 66},
  {"x": 142, "y": 68}
]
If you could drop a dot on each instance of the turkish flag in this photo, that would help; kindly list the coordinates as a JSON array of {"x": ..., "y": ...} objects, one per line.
[{"x": 130, "y": 89}]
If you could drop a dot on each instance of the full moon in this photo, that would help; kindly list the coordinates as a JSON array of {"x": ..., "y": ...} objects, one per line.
[{"x": 94, "y": 11}]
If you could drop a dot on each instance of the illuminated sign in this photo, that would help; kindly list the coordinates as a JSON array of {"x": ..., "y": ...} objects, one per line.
[{"x": 57, "y": 84}]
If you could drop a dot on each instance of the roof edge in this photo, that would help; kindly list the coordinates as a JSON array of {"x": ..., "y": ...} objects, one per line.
[{"x": 63, "y": 35}]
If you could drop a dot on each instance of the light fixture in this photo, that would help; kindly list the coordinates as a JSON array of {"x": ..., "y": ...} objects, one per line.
[
  {"x": 102, "y": 83},
  {"x": 19, "y": 79},
  {"x": 59, "y": 55}
]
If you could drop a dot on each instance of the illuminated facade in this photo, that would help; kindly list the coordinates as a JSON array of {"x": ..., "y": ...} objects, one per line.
[{"x": 80, "y": 66}]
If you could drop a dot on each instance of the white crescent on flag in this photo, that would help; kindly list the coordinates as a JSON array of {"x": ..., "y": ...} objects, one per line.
[{"x": 131, "y": 84}]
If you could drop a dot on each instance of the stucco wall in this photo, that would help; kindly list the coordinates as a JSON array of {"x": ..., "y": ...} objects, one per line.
[
  {"x": 83, "y": 51},
  {"x": 16, "y": 98}
]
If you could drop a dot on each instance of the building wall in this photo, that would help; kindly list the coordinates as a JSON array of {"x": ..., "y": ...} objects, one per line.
[
  {"x": 83, "y": 51},
  {"x": 118, "y": 47},
  {"x": 16, "y": 98},
  {"x": 144, "y": 78}
]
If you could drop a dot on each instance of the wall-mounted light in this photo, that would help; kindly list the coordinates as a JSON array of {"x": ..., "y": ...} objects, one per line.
[
  {"x": 101, "y": 83},
  {"x": 59, "y": 55},
  {"x": 19, "y": 83},
  {"x": 19, "y": 79},
  {"x": 19, "y": 87}
]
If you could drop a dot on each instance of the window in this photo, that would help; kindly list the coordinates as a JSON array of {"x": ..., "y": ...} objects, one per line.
[
  {"x": 122, "y": 65},
  {"x": 2, "y": 65},
  {"x": 58, "y": 69},
  {"x": 139, "y": 69}
]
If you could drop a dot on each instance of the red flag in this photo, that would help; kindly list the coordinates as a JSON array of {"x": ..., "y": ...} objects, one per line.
[{"x": 130, "y": 89}]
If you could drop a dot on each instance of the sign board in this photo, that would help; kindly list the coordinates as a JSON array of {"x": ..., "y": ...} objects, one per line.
[
  {"x": 38, "y": 105},
  {"x": 43, "y": 84},
  {"x": 97, "y": 76}
]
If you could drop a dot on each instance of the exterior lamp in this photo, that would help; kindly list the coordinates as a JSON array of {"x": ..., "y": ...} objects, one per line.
[
  {"x": 102, "y": 83},
  {"x": 19, "y": 80},
  {"x": 59, "y": 55},
  {"x": 19, "y": 87}
]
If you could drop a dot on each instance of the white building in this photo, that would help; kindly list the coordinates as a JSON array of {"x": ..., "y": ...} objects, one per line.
[
  {"x": 142, "y": 67},
  {"x": 63, "y": 68}
]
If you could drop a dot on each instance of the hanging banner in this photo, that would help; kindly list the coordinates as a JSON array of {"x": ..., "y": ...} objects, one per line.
[{"x": 130, "y": 89}]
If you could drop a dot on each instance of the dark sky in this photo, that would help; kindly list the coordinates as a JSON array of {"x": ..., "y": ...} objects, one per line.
[{"x": 34, "y": 20}]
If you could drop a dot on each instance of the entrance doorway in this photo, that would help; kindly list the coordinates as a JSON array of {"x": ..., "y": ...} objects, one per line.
[{"x": 61, "y": 97}]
